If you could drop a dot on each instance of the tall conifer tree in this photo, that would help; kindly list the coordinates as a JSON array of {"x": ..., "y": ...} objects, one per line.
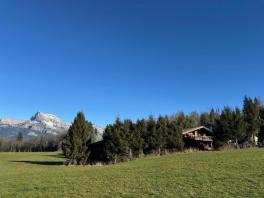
[
  {"x": 251, "y": 116},
  {"x": 75, "y": 144},
  {"x": 261, "y": 131}
]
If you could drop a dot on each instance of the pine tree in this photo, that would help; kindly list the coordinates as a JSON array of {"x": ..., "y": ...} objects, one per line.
[
  {"x": 128, "y": 130},
  {"x": 214, "y": 115},
  {"x": 205, "y": 119},
  {"x": 142, "y": 126},
  {"x": 19, "y": 141},
  {"x": 116, "y": 141},
  {"x": 138, "y": 137},
  {"x": 238, "y": 127},
  {"x": 192, "y": 120},
  {"x": 151, "y": 137},
  {"x": 75, "y": 144},
  {"x": 181, "y": 120},
  {"x": 251, "y": 113},
  {"x": 174, "y": 139},
  {"x": 161, "y": 133},
  {"x": 229, "y": 127},
  {"x": 20, "y": 137},
  {"x": 223, "y": 128},
  {"x": 261, "y": 131},
  {"x": 112, "y": 143},
  {"x": 261, "y": 136},
  {"x": 123, "y": 147}
]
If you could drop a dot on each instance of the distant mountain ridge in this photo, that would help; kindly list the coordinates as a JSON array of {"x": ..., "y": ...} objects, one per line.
[{"x": 40, "y": 124}]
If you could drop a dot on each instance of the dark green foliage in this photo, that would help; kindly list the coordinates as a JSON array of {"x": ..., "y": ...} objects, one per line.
[
  {"x": 75, "y": 144},
  {"x": 209, "y": 119},
  {"x": 19, "y": 141},
  {"x": 236, "y": 126},
  {"x": 251, "y": 112},
  {"x": 162, "y": 128},
  {"x": 174, "y": 138},
  {"x": 97, "y": 153},
  {"x": 126, "y": 140},
  {"x": 112, "y": 143},
  {"x": 181, "y": 120},
  {"x": 137, "y": 140},
  {"x": 193, "y": 120},
  {"x": 38, "y": 144},
  {"x": 123, "y": 132},
  {"x": 229, "y": 127},
  {"x": 261, "y": 131},
  {"x": 222, "y": 129},
  {"x": 116, "y": 141},
  {"x": 151, "y": 138},
  {"x": 261, "y": 136},
  {"x": 129, "y": 130},
  {"x": 142, "y": 126},
  {"x": 20, "y": 137},
  {"x": 214, "y": 115},
  {"x": 239, "y": 126},
  {"x": 205, "y": 119}
]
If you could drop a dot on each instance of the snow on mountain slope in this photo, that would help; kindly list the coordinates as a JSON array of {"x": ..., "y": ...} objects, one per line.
[{"x": 39, "y": 124}]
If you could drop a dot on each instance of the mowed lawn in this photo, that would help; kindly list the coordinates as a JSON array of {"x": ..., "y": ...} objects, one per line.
[{"x": 202, "y": 174}]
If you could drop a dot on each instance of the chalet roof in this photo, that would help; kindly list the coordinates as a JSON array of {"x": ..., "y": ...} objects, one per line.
[{"x": 195, "y": 129}]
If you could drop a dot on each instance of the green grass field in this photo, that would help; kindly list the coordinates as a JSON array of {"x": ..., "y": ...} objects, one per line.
[{"x": 202, "y": 174}]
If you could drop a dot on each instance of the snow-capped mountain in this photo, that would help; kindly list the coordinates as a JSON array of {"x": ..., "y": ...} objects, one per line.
[
  {"x": 40, "y": 124},
  {"x": 99, "y": 135}
]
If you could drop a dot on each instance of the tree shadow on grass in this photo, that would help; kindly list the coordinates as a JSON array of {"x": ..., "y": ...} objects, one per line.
[
  {"x": 59, "y": 155},
  {"x": 46, "y": 163}
]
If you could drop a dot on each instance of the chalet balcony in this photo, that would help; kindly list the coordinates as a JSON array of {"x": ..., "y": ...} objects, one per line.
[{"x": 201, "y": 138}]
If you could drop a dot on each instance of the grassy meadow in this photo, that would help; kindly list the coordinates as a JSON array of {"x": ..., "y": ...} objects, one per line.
[{"x": 202, "y": 174}]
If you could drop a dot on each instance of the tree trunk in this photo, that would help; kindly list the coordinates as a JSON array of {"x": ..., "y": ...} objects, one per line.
[
  {"x": 236, "y": 144},
  {"x": 130, "y": 154}
]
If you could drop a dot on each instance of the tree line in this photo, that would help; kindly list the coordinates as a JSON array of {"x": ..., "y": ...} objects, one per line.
[
  {"x": 37, "y": 144},
  {"x": 240, "y": 127},
  {"x": 125, "y": 139}
]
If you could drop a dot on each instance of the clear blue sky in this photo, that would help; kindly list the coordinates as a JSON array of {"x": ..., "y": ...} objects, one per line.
[{"x": 128, "y": 58}]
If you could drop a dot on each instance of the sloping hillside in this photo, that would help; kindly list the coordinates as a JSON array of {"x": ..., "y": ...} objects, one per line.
[{"x": 203, "y": 174}]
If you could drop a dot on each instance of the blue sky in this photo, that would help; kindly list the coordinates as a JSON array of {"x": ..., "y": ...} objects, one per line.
[{"x": 128, "y": 58}]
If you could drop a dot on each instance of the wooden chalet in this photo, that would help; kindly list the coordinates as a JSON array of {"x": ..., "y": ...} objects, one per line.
[{"x": 200, "y": 138}]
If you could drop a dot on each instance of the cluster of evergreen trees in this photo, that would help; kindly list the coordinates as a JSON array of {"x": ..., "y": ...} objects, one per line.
[
  {"x": 126, "y": 139},
  {"x": 76, "y": 143},
  {"x": 238, "y": 126}
]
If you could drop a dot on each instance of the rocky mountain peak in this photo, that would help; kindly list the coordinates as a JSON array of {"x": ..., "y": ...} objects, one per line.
[
  {"x": 40, "y": 116},
  {"x": 39, "y": 124}
]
